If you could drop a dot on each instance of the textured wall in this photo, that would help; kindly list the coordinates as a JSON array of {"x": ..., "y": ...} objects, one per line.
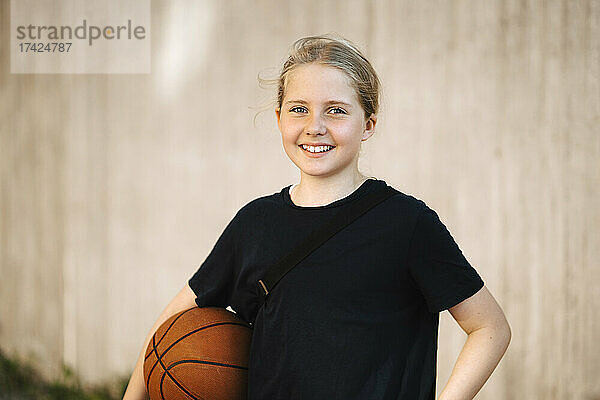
[{"x": 114, "y": 188}]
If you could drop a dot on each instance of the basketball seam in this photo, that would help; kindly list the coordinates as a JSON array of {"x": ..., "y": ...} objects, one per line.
[
  {"x": 159, "y": 357},
  {"x": 155, "y": 364},
  {"x": 161, "y": 386},
  {"x": 205, "y": 362},
  {"x": 167, "y": 330},
  {"x": 154, "y": 344},
  {"x": 198, "y": 330},
  {"x": 193, "y": 362},
  {"x": 162, "y": 379}
]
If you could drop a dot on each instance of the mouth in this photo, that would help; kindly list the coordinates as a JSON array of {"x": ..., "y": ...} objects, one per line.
[{"x": 316, "y": 151}]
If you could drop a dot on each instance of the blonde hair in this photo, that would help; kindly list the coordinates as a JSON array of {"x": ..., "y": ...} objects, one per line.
[{"x": 335, "y": 51}]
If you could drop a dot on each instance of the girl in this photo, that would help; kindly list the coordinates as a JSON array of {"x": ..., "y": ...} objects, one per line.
[{"x": 357, "y": 318}]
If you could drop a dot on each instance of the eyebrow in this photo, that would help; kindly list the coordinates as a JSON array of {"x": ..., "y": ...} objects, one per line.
[{"x": 300, "y": 101}]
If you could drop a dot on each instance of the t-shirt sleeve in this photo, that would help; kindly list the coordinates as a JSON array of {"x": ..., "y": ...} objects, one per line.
[
  {"x": 213, "y": 281},
  {"x": 437, "y": 265}
]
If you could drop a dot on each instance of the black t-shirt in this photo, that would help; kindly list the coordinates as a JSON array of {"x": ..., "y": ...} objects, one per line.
[{"x": 356, "y": 319}]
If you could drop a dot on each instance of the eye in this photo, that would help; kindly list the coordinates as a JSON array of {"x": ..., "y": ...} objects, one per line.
[
  {"x": 296, "y": 108},
  {"x": 339, "y": 109}
]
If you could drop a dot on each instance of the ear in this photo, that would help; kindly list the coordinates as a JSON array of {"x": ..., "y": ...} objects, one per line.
[
  {"x": 278, "y": 114},
  {"x": 369, "y": 127}
]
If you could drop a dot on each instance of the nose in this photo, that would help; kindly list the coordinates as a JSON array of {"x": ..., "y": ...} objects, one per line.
[{"x": 315, "y": 125}]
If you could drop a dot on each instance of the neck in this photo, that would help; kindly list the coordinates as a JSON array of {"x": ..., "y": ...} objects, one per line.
[{"x": 318, "y": 191}]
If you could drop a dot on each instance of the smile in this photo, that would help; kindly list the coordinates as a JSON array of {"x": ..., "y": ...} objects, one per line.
[{"x": 316, "y": 149}]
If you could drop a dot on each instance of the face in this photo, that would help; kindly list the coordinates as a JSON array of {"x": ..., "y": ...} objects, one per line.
[{"x": 321, "y": 108}]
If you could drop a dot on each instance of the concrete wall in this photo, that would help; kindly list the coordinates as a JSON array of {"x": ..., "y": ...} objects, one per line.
[{"x": 114, "y": 188}]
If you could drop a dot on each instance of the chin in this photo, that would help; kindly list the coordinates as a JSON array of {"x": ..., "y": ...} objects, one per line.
[{"x": 319, "y": 171}]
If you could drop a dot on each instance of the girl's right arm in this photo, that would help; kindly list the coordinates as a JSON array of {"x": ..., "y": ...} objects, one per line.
[{"x": 136, "y": 389}]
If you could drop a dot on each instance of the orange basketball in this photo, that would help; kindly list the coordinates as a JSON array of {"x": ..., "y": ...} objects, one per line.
[{"x": 200, "y": 353}]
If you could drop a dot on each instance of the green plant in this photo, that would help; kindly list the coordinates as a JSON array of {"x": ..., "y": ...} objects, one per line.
[{"x": 19, "y": 380}]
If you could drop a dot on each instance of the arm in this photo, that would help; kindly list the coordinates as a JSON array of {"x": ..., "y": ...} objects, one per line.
[
  {"x": 136, "y": 389},
  {"x": 489, "y": 334}
]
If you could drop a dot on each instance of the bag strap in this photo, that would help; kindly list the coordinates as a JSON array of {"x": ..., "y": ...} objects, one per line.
[{"x": 319, "y": 236}]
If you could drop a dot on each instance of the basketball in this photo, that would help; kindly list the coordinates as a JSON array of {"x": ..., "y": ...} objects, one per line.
[{"x": 200, "y": 353}]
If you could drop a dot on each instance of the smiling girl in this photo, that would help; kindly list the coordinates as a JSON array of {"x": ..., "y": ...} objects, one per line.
[{"x": 357, "y": 318}]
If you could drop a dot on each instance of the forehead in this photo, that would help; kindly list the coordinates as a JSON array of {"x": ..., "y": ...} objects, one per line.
[{"x": 317, "y": 82}]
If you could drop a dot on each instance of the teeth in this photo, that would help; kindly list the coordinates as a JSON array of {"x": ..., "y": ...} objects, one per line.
[{"x": 317, "y": 149}]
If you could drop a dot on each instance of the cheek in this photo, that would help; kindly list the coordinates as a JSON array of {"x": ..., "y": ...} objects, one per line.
[
  {"x": 283, "y": 122},
  {"x": 289, "y": 137},
  {"x": 349, "y": 134},
  {"x": 290, "y": 130}
]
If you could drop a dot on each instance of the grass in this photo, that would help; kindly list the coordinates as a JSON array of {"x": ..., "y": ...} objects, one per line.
[{"x": 21, "y": 381}]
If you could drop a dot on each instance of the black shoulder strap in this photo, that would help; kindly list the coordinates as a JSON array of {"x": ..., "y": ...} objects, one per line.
[{"x": 320, "y": 236}]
